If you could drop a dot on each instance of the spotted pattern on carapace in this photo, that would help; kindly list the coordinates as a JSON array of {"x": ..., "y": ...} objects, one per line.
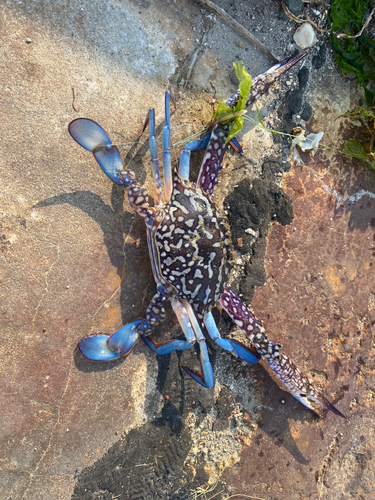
[{"x": 194, "y": 246}]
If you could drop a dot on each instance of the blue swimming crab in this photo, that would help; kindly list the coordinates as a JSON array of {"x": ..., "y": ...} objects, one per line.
[{"x": 189, "y": 245}]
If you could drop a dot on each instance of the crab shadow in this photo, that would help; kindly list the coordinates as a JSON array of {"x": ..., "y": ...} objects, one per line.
[{"x": 280, "y": 409}]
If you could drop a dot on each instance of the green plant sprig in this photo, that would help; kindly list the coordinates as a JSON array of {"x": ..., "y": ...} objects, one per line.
[
  {"x": 225, "y": 113},
  {"x": 355, "y": 54}
]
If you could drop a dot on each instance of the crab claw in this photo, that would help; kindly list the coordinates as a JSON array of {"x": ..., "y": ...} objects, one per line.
[
  {"x": 206, "y": 378},
  {"x": 88, "y": 134},
  {"x": 92, "y": 137},
  {"x": 109, "y": 348},
  {"x": 298, "y": 384},
  {"x": 95, "y": 348}
]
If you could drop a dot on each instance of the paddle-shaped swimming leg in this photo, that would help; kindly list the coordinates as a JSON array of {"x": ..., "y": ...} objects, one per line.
[{"x": 297, "y": 383}]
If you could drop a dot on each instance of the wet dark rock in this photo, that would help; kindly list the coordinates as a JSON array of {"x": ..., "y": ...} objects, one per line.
[
  {"x": 319, "y": 59},
  {"x": 255, "y": 207},
  {"x": 294, "y": 6},
  {"x": 307, "y": 112}
]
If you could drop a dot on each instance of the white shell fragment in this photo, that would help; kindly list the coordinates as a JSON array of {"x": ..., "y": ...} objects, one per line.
[
  {"x": 305, "y": 36},
  {"x": 309, "y": 143}
]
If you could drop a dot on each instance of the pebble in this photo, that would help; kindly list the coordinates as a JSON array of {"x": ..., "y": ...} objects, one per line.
[
  {"x": 28, "y": 40},
  {"x": 305, "y": 36}
]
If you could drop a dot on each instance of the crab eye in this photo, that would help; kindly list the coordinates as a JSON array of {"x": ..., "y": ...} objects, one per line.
[{"x": 200, "y": 205}]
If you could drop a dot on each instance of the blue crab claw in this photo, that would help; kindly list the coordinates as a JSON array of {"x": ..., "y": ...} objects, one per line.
[
  {"x": 88, "y": 134},
  {"x": 109, "y": 348},
  {"x": 92, "y": 137},
  {"x": 206, "y": 377},
  {"x": 95, "y": 348},
  {"x": 124, "y": 339},
  {"x": 109, "y": 159}
]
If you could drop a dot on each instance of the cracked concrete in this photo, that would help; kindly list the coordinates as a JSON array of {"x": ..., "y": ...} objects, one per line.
[{"x": 74, "y": 261}]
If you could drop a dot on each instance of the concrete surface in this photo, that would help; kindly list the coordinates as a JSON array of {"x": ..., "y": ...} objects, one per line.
[{"x": 74, "y": 261}]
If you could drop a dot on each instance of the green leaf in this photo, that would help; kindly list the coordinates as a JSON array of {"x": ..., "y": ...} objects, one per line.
[
  {"x": 235, "y": 127},
  {"x": 354, "y": 54},
  {"x": 222, "y": 110},
  {"x": 370, "y": 97},
  {"x": 259, "y": 117},
  {"x": 355, "y": 149},
  {"x": 244, "y": 91},
  {"x": 244, "y": 80},
  {"x": 347, "y": 11},
  {"x": 361, "y": 112}
]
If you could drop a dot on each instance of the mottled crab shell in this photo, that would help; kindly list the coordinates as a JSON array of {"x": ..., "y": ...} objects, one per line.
[{"x": 194, "y": 246}]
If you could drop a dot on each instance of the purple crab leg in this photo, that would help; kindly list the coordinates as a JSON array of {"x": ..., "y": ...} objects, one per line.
[
  {"x": 262, "y": 83},
  {"x": 150, "y": 121},
  {"x": 196, "y": 145},
  {"x": 297, "y": 383},
  {"x": 217, "y": 146},
  {"x": 167, "y": 164},
  {"x": 212, "y": 160},
  {"x": 243, "y": 352}
]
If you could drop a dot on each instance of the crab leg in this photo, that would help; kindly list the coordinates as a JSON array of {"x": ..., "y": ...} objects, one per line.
[
  {"x": 243, "y": 352},
  {"x": 217, "y": 145},
  {"x": 262, "y": 83},
  {"x": 193, "y": 333},
  {"x": 167, "y": 166},
  {"x": 196, "y": 145},
  {"x": 120, "y": 343},
  {"x": 206, "y": 377},
  {"x": 150, "y": 121},
  {"x": 94, "y": 138},
  {"x": 297, "y": 383},
  {"x": 169, "y": 346}
]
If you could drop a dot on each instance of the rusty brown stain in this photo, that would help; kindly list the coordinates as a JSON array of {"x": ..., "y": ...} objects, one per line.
[{"x": 334, "y": 280}]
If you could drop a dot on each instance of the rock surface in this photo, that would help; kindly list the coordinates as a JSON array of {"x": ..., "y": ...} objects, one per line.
[{"x": 74, "y": 261}]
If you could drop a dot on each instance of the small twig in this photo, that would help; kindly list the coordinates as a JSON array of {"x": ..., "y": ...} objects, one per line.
[
  {"x": 344, "y": 35},
  {"x": 299, "y": 20},
  {"x": 244, "y": 496},
  {"x": 216, "y": 494},
  {"x": 73, "y": 104},
  {"x": 372, "y": 141},
  {"x": 243, "y": 31},
  {"x": 233, "y": 414}
]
